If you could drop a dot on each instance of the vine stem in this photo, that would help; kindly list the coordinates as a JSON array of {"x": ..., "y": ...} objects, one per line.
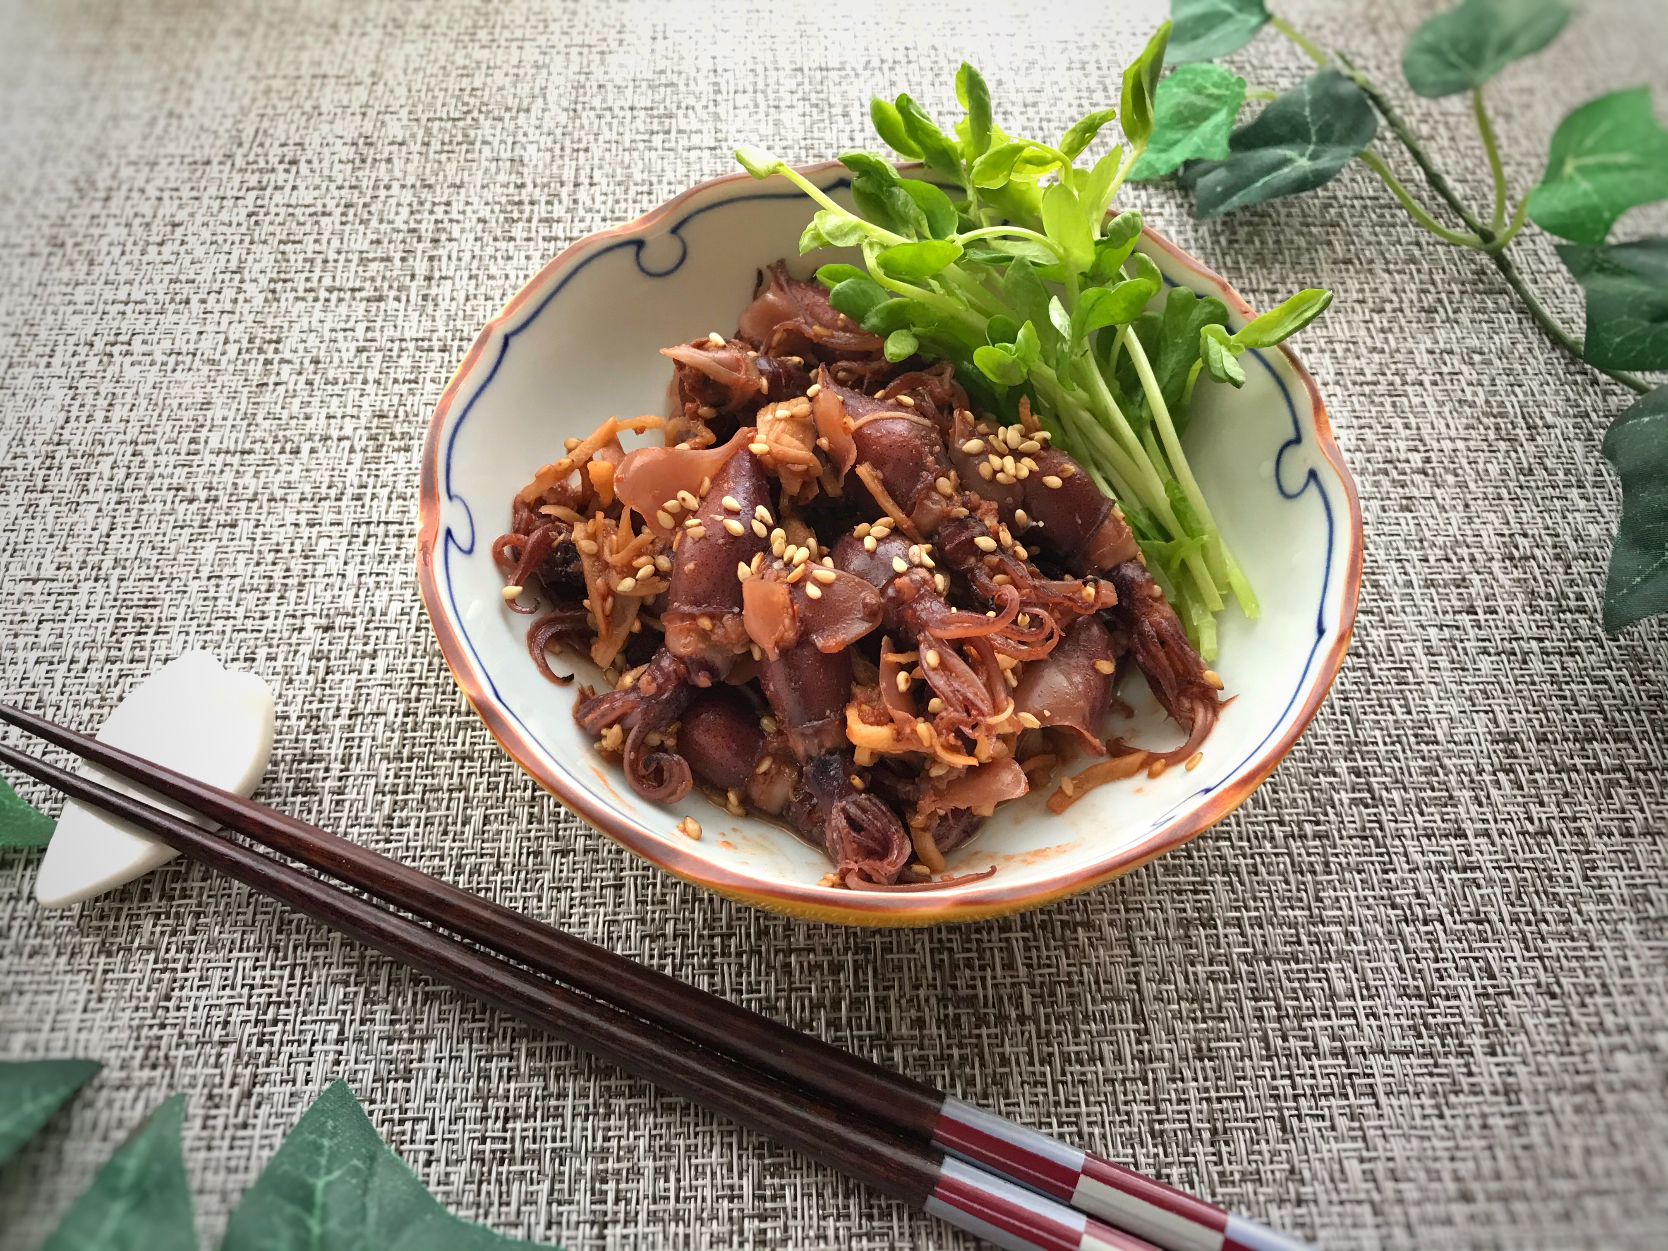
[
  {"x": 1493, "y": 243},
  {"x": 1496, "y": 170},
  {"x": 1459, "y": 238}
]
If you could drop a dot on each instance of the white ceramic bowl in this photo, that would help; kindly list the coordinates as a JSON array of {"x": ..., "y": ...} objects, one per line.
[{"x": 580, "y": 341}]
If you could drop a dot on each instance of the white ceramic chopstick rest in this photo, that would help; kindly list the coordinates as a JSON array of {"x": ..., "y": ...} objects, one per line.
[{"x": 193, "y": 715}]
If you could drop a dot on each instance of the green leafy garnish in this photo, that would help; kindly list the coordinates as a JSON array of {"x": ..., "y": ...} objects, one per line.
[
  {"x": 1607, "y": 156},
  {"x": 20, "y": 824},
  {"x": 1028, "y": 283},
  {"x": 139, "y": 1201},
  {"x": 1627, "y": 302},
  {"x": 1206, "y": 29},
  {"x": 335, "y": 1186},
  {"x": 31, "y": 1091},
  {"x": 1637, "y": 444},
  {"x": 1461, "y": 48},
  {"x": 1194, "y": 116},
  {"x": 1297, "y": 143}
]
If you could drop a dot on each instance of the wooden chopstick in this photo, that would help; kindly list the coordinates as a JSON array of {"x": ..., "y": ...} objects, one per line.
[
  {"x": 916, "y": 1172},
  {"x": 913, "y": 1110}
]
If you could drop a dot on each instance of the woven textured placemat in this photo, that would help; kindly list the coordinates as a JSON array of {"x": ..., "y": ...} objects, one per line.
[{"x": 1414, "y": 993}]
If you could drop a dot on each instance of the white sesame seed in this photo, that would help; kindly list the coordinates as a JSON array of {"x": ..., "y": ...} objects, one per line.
[
  {"x": 697, "y": 532},
  {"x": 984, "y": 543},
  {"x": 813, "y": 590},
  {"x": 743, "y": 571},
  {"x": 587, "y": 546},
  {"x": 869, "y": 543},
  {"x": 1104, "y": 666},
  {"x": 1029, "y": 721},
  {"x": 900, "y": 564},
  {"x": 973, "y": 446},
  {"x": 733, "y": 526},
  {"x": 730, "y": 504},
  {"x": 665, "y": 519},
  {"x": 1021, "y": 519},
  {"x": 1212, "y": 679},
  {"x": 814, "y": 390},
  {"x": 825, "y": 576},
  {"x": 758, "y": 449},
  {"x": 716, "y": 339},
  {"x": 800, "y": 555},
  {"x": 759, "y": 528},
  {"x": 762, "y": 513},
  {"x": 935, "y": 704},
  {"x": 932, "y": 657},
  {"x": 627, "y": 585},
  {"x": 903, "y": 681},
  {"x": 1052, "y": 481},
  {"x": 511, "y": 591}
]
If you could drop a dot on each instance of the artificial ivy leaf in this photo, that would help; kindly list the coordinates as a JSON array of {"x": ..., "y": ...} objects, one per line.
[
  {"x": 1082, "y": 132},
  {"x": 974, "y": 96},
  {"x": 1284, "y": 320},
  {"x": 1606, "y": 156},
  {"x": 1465, "y": 46},
  {"x": 1141, "y": 85},
  {"x": 1637, "y": 444},
  {"x": 1297, "y": 143},
  {"x": 20, "y": 824},
  {"x": 31, "y": 1091},
  {"x": 335, "y": 1186},
  {"x": 1193, "y": 115},
  {"x": 1218, "y": 351},
  {"x": 1626, "y": 285},
  {"x": 889, "y": 126},
  {"x": 140, "y": 1200},
  {"x": 1207, "y": 29}
]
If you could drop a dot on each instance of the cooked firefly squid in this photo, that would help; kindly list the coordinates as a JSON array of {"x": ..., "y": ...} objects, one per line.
[{"x": 840, "y": 599}]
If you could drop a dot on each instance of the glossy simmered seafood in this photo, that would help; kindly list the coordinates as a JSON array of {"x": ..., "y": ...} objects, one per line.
[{"x": 839, "y": 597}]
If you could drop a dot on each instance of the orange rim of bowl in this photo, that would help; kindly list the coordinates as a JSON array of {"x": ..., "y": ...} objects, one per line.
[{"x": 833, "y": 904}]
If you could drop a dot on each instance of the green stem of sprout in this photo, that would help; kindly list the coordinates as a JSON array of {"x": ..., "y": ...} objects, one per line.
[{"x": 1223, "y": 566}]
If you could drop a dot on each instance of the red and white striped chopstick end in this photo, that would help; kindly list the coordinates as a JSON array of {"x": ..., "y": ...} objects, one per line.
[
  {"x": 1010, "y": 1216},
  {"x": 1165, "y": 1216}
]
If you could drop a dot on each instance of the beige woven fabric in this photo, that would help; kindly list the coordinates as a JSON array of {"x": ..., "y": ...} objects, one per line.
[{"x": 1413, "y": 994}]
